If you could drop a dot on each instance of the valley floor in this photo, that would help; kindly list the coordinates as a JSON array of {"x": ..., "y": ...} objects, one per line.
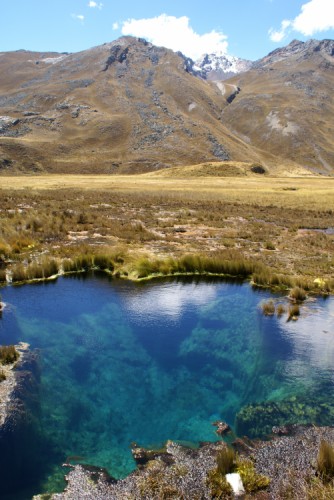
[{"x": 286, "y": 224}]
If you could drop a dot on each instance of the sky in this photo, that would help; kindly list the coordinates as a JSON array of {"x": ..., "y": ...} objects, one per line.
[{"x": 249, "y": 29}]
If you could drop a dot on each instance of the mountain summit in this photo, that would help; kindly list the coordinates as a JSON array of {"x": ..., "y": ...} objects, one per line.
[
  {"x": 129, "y": 106},
  {"x": 220, "y": 67}
]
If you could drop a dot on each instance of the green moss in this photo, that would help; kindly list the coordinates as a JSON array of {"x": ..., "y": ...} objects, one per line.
[
  {"x": 251, "y": 480},
  {"x": 218, "y": 485}
]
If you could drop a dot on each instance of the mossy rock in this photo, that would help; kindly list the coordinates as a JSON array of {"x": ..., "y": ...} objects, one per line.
[{"x": 257, "y": 419}]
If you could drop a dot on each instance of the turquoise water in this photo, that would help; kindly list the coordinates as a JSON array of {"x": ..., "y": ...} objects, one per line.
[{"x": 123, "y": 362}]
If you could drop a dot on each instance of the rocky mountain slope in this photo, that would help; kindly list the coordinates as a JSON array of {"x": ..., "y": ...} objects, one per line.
[
  {"x": 286, "y": 105},
  {"x": 128, "y": 106}
]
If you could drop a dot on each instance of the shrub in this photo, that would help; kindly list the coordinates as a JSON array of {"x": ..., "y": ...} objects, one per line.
[
  {"x": 50, "y": 268},
  {"x": 8, "y": 354},
  {"x": 298, "y": 294},
  {"x": 280, "y": 310},
  {"x": 34, "y": 271},
  {"x": 294, "y": 311},
  {"x": 103, "y": 261},
  {"x": 2, "y": 376},
  {"x": 4, "y": 249},
  {"x": 19, "y": 273},
  {"x": 268, "y": 308},
  {"x": 83, "y": 262},
  {"x": 2, "y": 275},
  {"x": 316, "y": 489},
  {"x": 325, "y": 461},
  {"x": 82, "y": 218},
  {"x": 270, "y": 245},
  {"x": 69, "y": 266}
]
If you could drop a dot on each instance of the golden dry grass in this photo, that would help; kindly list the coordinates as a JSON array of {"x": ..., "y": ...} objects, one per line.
[
  {"x": 312, "y": 193},
  {"x": 280, "y": 224}
]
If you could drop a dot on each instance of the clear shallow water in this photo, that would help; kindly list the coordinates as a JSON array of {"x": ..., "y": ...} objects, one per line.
[{"x": 123, "y": 362}]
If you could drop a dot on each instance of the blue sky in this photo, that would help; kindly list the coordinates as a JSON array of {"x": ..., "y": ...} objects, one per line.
[{"x": 245, "y": 28}]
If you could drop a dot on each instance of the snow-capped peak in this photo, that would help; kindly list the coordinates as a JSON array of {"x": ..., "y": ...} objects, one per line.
[{"x": 220, "y": 66}]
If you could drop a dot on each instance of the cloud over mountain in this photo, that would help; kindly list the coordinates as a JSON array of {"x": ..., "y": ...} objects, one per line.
[
  {"x": 176, "y": 33},
  {"x": 315, "y": 16}
]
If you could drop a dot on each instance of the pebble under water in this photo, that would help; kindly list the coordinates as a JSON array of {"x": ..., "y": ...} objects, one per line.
[{"x": 124, "y": 362}]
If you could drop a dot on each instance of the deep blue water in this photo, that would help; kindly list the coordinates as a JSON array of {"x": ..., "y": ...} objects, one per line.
[{"x": 124, "y": 362}]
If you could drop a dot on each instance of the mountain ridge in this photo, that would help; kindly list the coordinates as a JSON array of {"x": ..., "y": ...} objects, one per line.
[{"x": 128, "y": 106}]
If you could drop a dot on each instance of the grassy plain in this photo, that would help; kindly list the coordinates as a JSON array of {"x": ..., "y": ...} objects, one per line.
[{"x": 281, "y": 227}]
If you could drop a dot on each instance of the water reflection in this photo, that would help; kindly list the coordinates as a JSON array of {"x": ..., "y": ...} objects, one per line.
[
  {"x": 312, "y": 336},
  {"x": 168, "y": 300}
]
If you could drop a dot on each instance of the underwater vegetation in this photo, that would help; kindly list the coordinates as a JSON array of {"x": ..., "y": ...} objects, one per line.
[
  {"x": 258, "y": 419},
  {"x": 147, "y": 362}
]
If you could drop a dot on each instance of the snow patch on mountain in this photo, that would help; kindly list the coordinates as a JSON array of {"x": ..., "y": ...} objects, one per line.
[{"x": 220, "y": 66}]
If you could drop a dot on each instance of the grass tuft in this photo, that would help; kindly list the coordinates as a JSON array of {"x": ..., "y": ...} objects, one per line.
[
  {"x": 280, "y": 310},
  {"x": 325, "y": 461},
  {"x": 298, "y": 294},
  {"x": 268, "y": 308},
  {"x": 226, "y": 461},
  {"x": 19, "y": 273},
  {"x": 294, "y": 312},
  {"x": 8, "y": 354}
]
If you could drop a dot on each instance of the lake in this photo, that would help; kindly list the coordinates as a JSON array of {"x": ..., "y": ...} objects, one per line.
[{"x": 123, "y": 362}]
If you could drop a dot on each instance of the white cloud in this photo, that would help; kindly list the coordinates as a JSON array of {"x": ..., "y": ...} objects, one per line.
[
  {"x": 315, "y": 16},
  {"x": 115, "y": 26},
  {"x": 277, "y": 36},
  {"x": 176, "y": 33},
  {"x": 79, "y": 17},
  {"x": 95, "y": 5}
]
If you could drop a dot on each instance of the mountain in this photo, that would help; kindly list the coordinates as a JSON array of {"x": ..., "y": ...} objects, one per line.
[
  {"x": 125, "y": 106},
  {"x": 219, "y": 67},
  {"x": 128, "y": 106},
  {"x": 286, "y": 105}
]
